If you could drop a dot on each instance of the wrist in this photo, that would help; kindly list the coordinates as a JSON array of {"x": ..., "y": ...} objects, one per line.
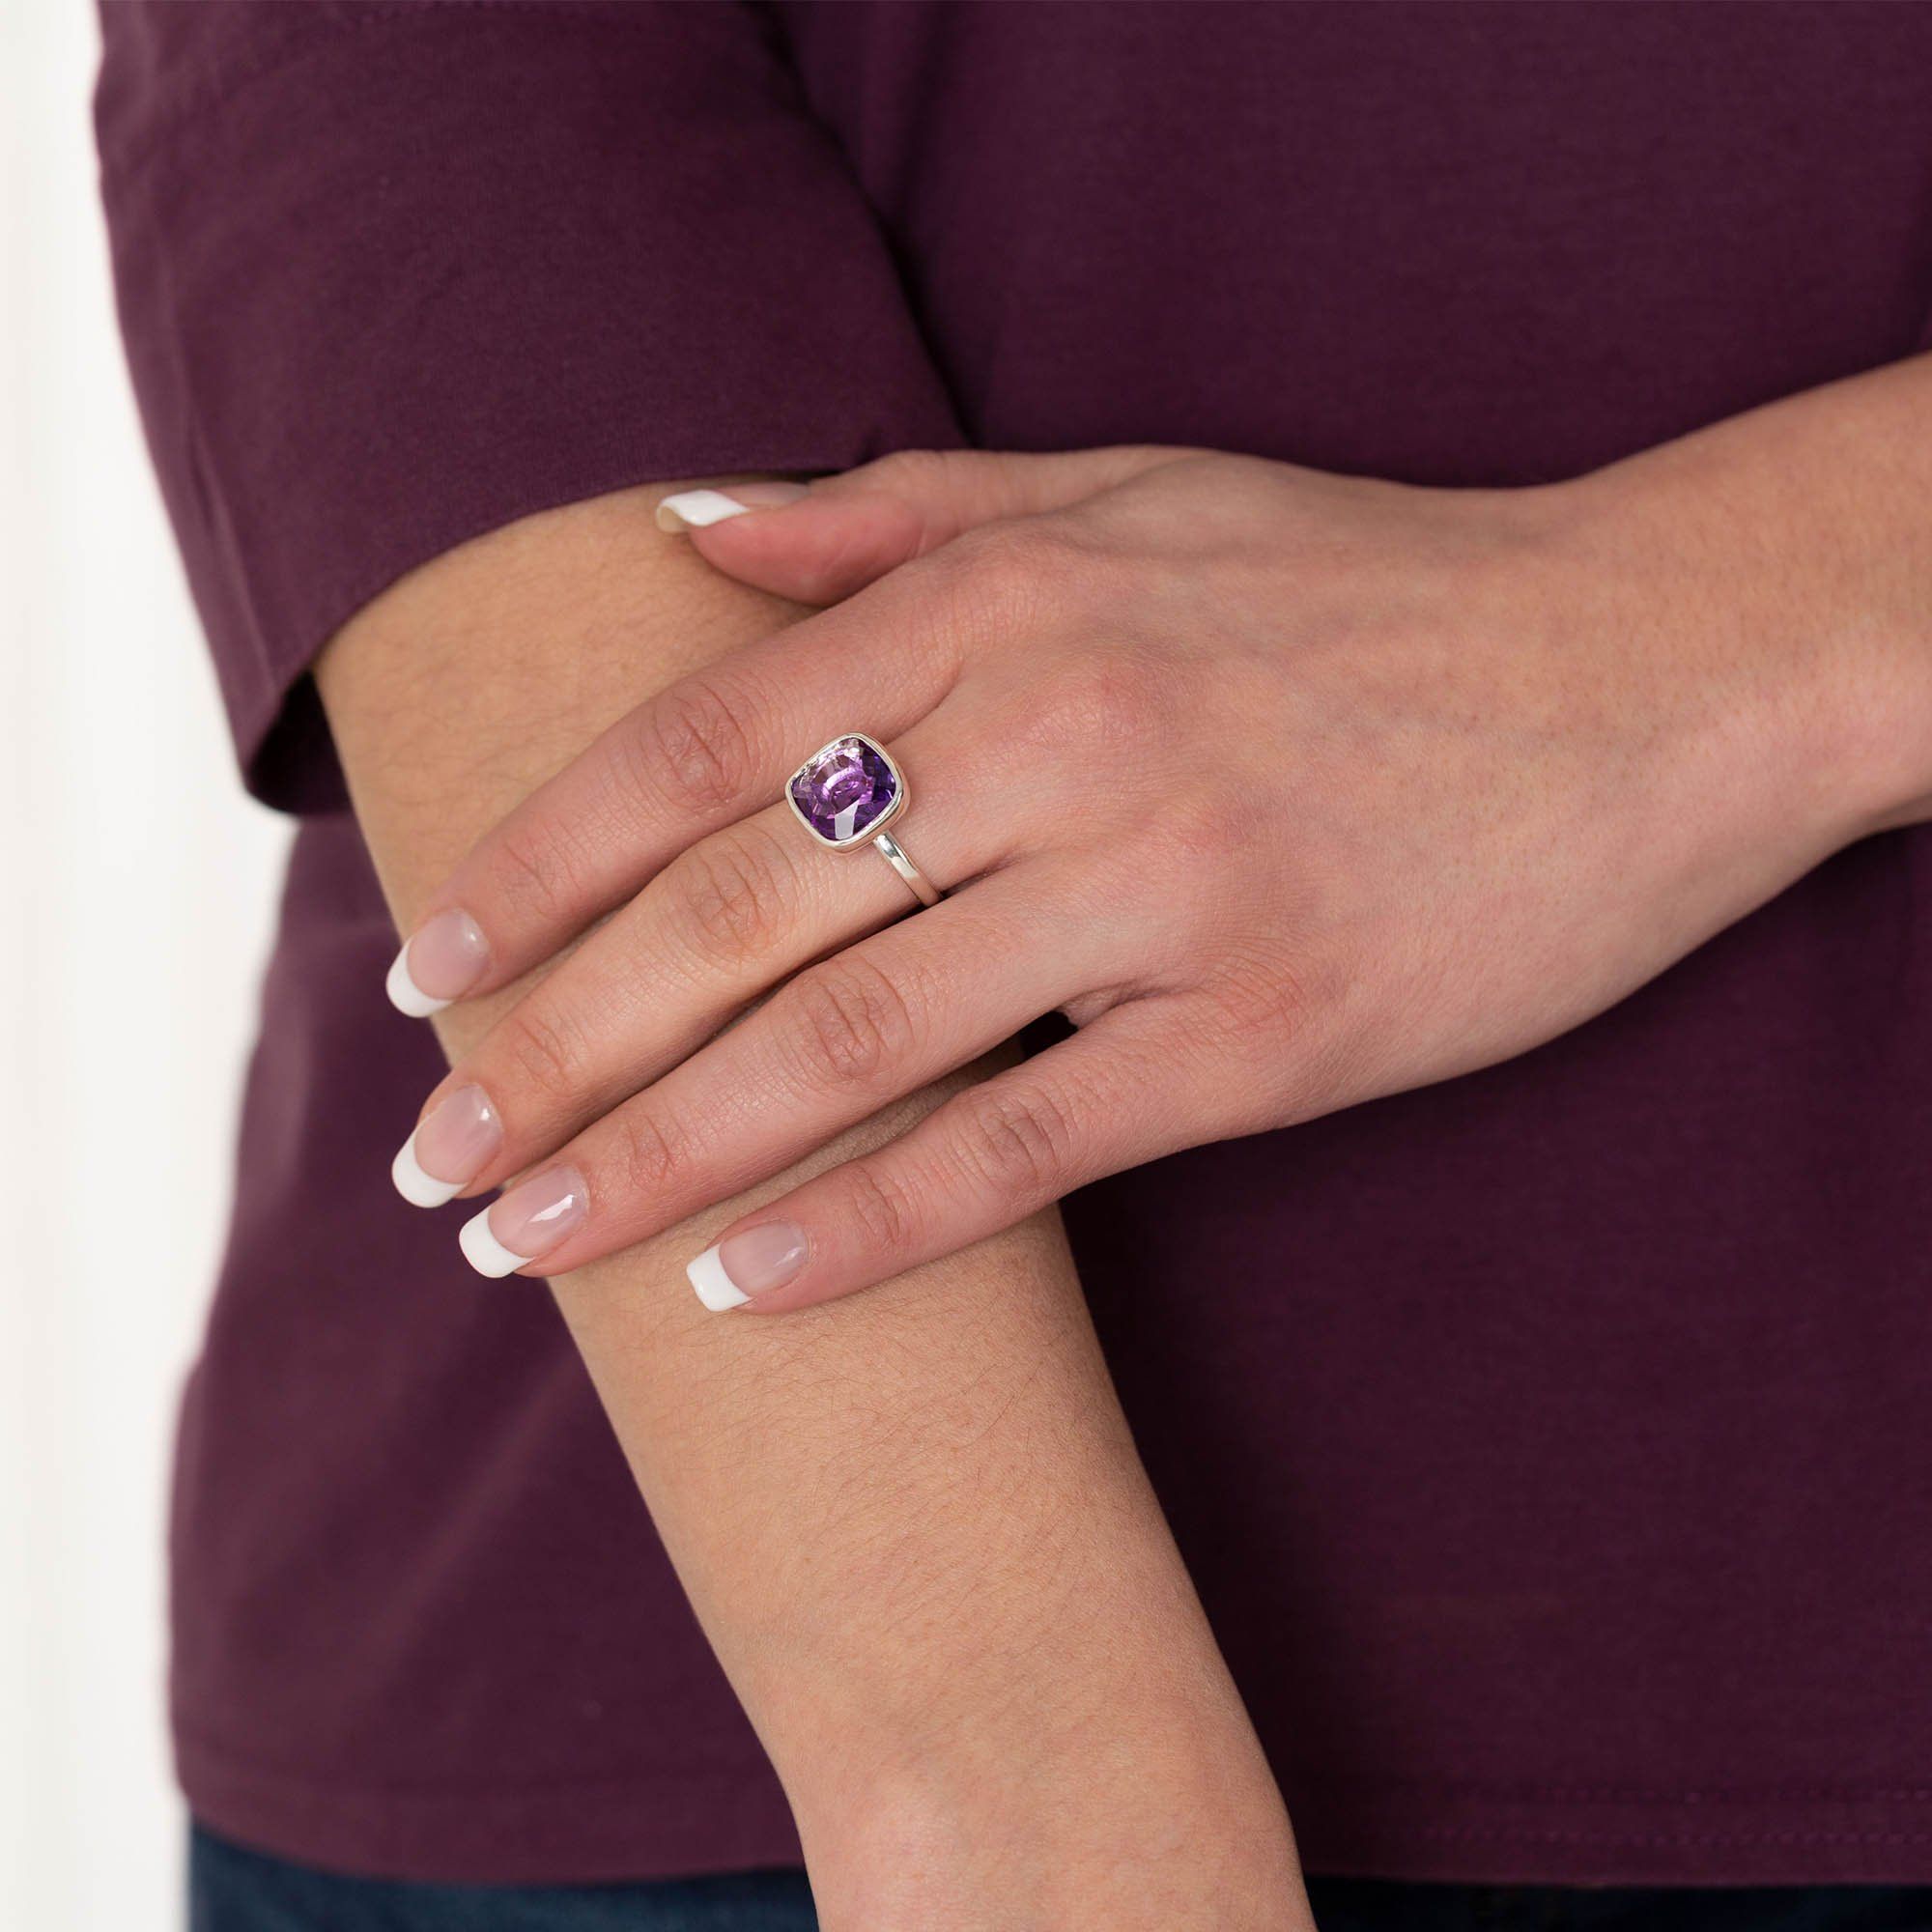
[
  {"x": 1067, "y": 1754},
  {"x": 1117, "y": 1823},
  {"x": 1799, "y": 690},
  {"x": 1770, "y": 548}
]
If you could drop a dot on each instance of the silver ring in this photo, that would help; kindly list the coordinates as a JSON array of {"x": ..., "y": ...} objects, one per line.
[
  {"x": 896, "y": 858},
  {"x": 846, "y": 794}
]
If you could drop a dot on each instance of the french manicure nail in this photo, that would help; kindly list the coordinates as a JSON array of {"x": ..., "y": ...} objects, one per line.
[
  {"x": 751, "y": 1262},
  {"x": 699, "y": 509},
  {"x": 448, "y": 1149},
  {"x": 527, "y": 1222},
  {"x": 440, "y": 962}
]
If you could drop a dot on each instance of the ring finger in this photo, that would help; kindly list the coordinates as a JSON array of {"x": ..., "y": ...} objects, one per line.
[{"x": 720, "y": 927}]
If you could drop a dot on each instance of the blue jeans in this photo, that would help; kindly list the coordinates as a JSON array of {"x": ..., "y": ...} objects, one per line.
[{"x": 234, "y": 1890}]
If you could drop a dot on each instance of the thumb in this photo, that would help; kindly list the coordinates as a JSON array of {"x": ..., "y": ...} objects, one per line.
[{"x": 816, "y": 543}]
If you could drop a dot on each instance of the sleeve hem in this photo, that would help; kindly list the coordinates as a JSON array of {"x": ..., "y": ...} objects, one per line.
[
  {"x": 392, "y": 290},
  {"x": 282, "y": 735}
]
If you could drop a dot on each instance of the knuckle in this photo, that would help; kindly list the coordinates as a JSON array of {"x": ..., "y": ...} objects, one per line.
[
  {"x": 1095, "y": 697},
  {"x": 1277, "y": 1023},
  {"x": 731, "y": 894},
  {"x": 545, "y": 1052},
  {"x": 697, "y": 746},
  {"x": 531, "y": 872},
  {"x": 918, "y": 473},
  {"x": 997, "y": 583},
  {"x": 1195, "y": 827},
  {"x": 880, "y": 1208},
  {"x": 1269, "y": 990},
  {"x": 1018, "y": 1141},
  {"x": 652, "y": 1153},
  {"x": 1015, "y": 561},
  {"x": 853, "y": 1023}
]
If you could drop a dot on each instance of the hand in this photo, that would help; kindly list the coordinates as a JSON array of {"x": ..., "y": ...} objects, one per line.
[{"x": 1289, "y": 790}]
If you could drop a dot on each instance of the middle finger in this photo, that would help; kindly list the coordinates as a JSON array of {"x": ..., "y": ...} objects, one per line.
[
  {"x": 725, "y": 922},
  {"x": 830, "y": 1049}
]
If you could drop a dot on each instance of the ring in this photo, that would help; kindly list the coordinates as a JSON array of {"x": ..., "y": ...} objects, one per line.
[{"x": 846, "y": 794}]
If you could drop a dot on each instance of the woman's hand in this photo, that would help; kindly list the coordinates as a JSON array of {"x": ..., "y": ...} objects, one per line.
[{"x": 1289, "y": 790}]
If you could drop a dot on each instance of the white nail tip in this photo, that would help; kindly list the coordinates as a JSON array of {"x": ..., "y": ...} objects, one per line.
[
  {"x": 715, "y": 1287},
  {"x": 697, "y": 509},
  {"x": 420, "y": 1190},
  {"x": 405, "y": 995},
  {"x": 484, "y": 1252}
]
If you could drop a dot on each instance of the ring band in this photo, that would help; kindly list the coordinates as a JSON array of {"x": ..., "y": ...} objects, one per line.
[
  {"x": 896, "y": 857},
  {"x": 846, "y": 794}
]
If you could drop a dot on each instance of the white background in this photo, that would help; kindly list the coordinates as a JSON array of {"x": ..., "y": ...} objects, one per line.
[{"x": 139, "y": 884}]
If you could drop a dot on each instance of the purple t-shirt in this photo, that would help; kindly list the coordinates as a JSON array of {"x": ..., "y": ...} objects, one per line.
[{"x": 1556, "y": 1460}]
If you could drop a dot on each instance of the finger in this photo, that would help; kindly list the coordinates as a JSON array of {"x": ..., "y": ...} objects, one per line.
[
  {"x": 1108, "y": 1099},
  {"x": 717, "y": 928},
  {"x": 827, "y": 1051},
  {"x": 820, "y": 543},
  {"x": 708, "y": 750}
]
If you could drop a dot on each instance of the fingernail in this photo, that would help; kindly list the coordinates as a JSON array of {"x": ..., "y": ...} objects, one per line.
[
  {"x": 527, "y": 1222},
  {"x": 753, "y": 1263},
  {"x": 697, "y": 509},
  {"x": 448, "y": 1149},
  {"x": 440, "y": 962}
]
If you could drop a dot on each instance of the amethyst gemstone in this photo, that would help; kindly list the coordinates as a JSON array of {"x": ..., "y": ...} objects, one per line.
[{"x": 842, "y": 789}]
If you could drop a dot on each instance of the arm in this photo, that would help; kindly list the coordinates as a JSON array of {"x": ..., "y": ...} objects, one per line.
[{"x": 915, "y": 1528}]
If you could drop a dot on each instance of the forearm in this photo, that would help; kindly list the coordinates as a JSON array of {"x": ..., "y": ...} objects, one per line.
[{"x": 904, "y": 1522}]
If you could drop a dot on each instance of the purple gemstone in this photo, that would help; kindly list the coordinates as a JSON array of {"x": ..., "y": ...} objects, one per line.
[{"x": 844, "y": 789}]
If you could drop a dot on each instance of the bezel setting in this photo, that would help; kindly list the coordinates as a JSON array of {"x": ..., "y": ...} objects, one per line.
[{"x": 871, "y": 829}]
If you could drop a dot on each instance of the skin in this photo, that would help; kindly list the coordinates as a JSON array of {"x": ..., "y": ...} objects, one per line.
[
  {"x": 1484, "y": 763},
  {"x": 916, "y": 1531},
  {"x": 1481, "y": 763}
]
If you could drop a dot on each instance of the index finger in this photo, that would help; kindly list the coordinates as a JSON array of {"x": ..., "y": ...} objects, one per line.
[{"x": 706, "y": 752}]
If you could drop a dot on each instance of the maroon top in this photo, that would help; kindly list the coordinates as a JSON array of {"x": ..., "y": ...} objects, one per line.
[{"x": 1560, "y": 1491}]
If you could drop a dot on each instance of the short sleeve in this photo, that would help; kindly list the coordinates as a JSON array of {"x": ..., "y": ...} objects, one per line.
[{"x": 392, "y": 275}]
